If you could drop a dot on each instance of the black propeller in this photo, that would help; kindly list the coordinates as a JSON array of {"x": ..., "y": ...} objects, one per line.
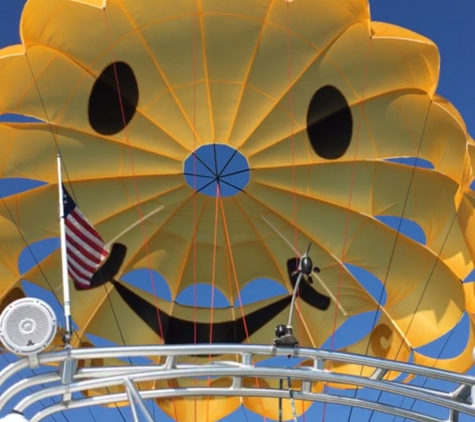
[{"x": 299, "y": 271}]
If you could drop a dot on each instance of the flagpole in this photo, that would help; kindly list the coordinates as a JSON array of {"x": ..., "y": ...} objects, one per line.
[{"x": 64, "y": 256}]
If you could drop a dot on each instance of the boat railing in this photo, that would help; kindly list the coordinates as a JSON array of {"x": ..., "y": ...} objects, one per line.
[{"x": 68, "y": 375}]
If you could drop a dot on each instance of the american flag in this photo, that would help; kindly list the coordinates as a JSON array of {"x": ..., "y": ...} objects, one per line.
[{"x": 85, "y": 247}]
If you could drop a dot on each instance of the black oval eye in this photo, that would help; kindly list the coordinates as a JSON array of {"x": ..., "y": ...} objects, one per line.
[
  {"x": 114, "y": 98},
  {"x": 329, "y": 123}
]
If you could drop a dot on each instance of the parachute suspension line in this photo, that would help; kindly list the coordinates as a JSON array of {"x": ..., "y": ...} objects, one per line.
[
  {"x": 69, "y": 330},
  {"x": 195, "y": 293},
  {"x": 281, "y": 387},
  {"x": 37, "y": 264},
  {"x": 232, "y": 309},
  {"x": 244, "y": 411},
  {"x": 292, "y": 400},
  {"x": 139, "y": 208},
  {"x": 48, "y": 121},
  {"x": 64, "y": 167},
  {"x": 28, "y": 246},
  {"x": 350, "y": 197},
  {"x": 232, "y": 295},
  {"x": 425, "y": 380},
  {"x": 74, "y": 196},
  {"x": 292, "y": 139},
  {"x": 77, "y": 202},
  {"x": 213, "y": 282},
  {"x": 121, "y": 334},
  {"x": 416, "y": 309},
  {"x": 233, "y": 266},
  {"x": 294, "y": 188},
  {"x": 393, "y": 251}
]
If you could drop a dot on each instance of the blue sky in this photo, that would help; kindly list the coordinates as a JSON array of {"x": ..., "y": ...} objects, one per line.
[{"x": 450, "y": 25}]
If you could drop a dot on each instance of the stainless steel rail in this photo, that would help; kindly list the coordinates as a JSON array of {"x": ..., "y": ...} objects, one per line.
[{"x": 64, "y": 380}]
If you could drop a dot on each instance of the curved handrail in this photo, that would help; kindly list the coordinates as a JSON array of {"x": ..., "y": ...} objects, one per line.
[
  {"x": 240, "y": 392},
  {"x": 103, "y": 377}
]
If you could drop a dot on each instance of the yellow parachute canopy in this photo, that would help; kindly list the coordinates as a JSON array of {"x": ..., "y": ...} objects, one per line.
[{"x": 312, "y": 99}]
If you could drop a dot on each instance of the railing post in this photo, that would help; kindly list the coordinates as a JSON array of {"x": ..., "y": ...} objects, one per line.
[
  {"x": 135, "y": 395},
  {"x": 132, "y": 405}
]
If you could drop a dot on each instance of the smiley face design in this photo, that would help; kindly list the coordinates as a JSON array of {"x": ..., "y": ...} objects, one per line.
[{"x": 254, "y": 127}]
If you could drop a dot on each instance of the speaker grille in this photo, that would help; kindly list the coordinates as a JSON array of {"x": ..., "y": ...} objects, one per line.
[{"x": 27, "y": 326}]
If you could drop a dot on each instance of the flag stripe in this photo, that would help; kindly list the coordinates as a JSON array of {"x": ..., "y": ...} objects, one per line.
[
  {"x": 83, "y": 262},
  {"x": 80, "y": 271},
  {"x": 77, "y": 278},
  {"x": 86, "y": 249},
  {"x": 81, "y": 250},
  {"x": 79, "y": 221},
  {"x": 76, "y": 228}
]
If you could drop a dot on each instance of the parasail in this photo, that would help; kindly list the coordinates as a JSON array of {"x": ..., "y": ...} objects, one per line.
[{"x": 212, "y": 141}]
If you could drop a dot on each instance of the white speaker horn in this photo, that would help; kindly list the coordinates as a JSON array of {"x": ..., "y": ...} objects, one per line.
[{"x": 27, "y": 326}]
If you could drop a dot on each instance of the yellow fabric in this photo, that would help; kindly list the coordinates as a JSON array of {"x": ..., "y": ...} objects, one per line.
[{"x": 220, "y": 73}]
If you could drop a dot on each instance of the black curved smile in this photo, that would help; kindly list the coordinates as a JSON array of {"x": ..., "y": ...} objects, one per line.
[{"x": 174, "y": 330}]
